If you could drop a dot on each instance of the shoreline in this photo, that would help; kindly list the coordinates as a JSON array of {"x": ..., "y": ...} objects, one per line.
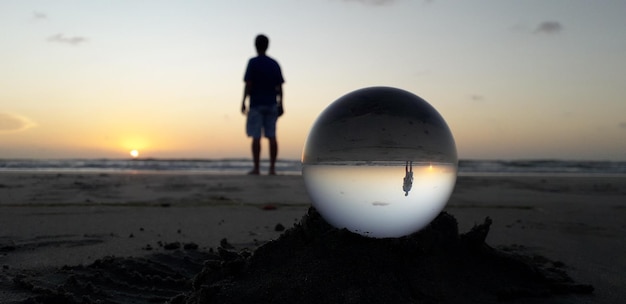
[{"x": 282, "y": 173}]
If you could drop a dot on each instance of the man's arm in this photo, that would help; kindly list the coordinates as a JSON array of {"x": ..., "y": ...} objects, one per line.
[
  {"x": 280, "y": 99},
  {"x": 246, "y": 93}
]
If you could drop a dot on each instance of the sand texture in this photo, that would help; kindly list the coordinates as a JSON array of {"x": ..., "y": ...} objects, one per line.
[
  {"x": 146, "y": 238},
  {"x": 316, "y": 263}
]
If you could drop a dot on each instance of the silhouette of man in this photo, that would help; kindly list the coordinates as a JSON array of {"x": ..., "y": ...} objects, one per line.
[
  {"x": 264, "y": 87},
  {"x": 408, "y": 178}
]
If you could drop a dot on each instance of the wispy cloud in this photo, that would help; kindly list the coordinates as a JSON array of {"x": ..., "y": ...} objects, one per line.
[
  {"x": 60, "y": 38},
  {"x": 14, "y": 123},
  {"x": 477, "y": 97},
  {"x": 39, "y": 16},
  {"x": 385, "y": 2},
  {"x": 374, "y": 2},
  {"x": 549, "y": 27}
]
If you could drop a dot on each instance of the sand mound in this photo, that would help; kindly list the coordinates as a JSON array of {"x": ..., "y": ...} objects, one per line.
[{"x": 316, "y": 263}]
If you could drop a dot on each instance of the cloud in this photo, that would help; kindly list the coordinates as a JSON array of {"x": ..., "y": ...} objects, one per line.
[
  {"x": 14, "y": 123},
  {"x": 622, "y": 125},
  {"x": 477, "y": 97},
  {"x": 383, "y": 2},
  {"x": 549, "y": 27},
  {"x": 60, "y": 38},
  {"x": 39, "y": 16},
  {"x": 373, "y": 2}
]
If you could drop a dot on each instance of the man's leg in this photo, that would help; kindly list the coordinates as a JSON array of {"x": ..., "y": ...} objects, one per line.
[
  {"x": 273, "y": 154},
  {"x": 256, "y": 155}
]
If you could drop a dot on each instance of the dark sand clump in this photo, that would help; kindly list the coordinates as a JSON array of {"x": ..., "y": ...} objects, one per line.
[
  {"x": 316, "y": 263},
  {"x": 155, "y": 278},
  {"x": 313, "y": 263}
]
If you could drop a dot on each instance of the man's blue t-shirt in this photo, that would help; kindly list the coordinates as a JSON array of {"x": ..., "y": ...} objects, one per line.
[{"x": 264, "y": 75}]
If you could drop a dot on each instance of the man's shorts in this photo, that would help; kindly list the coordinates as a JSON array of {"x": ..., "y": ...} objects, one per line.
[{"x": 262, "y": 118}]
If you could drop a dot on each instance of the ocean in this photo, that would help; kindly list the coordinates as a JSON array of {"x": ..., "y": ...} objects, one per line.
[{"x": 294, "y": 167}]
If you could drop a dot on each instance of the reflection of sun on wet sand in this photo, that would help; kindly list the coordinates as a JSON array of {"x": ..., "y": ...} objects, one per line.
[{"x": 51, "y": 220}]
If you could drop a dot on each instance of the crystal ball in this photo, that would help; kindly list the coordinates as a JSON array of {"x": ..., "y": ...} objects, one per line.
[{"x": 380, "y": 162}]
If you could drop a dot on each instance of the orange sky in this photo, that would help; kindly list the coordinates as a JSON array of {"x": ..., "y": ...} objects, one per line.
[{"x": 88, "y": 79}]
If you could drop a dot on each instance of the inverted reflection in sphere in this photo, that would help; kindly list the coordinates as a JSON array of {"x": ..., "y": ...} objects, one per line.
[{"x": 380, "y": 162}]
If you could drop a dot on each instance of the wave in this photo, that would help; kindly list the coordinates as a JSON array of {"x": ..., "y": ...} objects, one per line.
[
  {"x": 542, "y": 166},
  {"x": 289, "y": 166}
]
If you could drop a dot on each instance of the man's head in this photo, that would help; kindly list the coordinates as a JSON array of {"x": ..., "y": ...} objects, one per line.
[{"x": 261, "y": 42}]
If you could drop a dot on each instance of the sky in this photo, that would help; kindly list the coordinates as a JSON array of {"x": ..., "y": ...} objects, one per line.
[{"x": 514, "y": 79}]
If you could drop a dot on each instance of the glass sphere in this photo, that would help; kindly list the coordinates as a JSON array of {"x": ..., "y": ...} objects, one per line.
[{"x": 380, "y": 162}]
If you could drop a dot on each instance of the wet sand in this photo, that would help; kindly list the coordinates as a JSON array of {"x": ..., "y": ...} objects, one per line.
[{"x": 51, "y": 221}]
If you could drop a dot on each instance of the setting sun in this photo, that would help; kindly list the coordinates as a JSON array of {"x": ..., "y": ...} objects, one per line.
[{"x": 134, "y": 153}]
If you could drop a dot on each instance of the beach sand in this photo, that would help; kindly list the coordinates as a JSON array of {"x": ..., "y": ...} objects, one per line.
[{"x": 52, "y": 223}]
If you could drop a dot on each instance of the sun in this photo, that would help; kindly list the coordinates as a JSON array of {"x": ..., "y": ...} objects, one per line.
[{"x": 134, "y": 153}]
